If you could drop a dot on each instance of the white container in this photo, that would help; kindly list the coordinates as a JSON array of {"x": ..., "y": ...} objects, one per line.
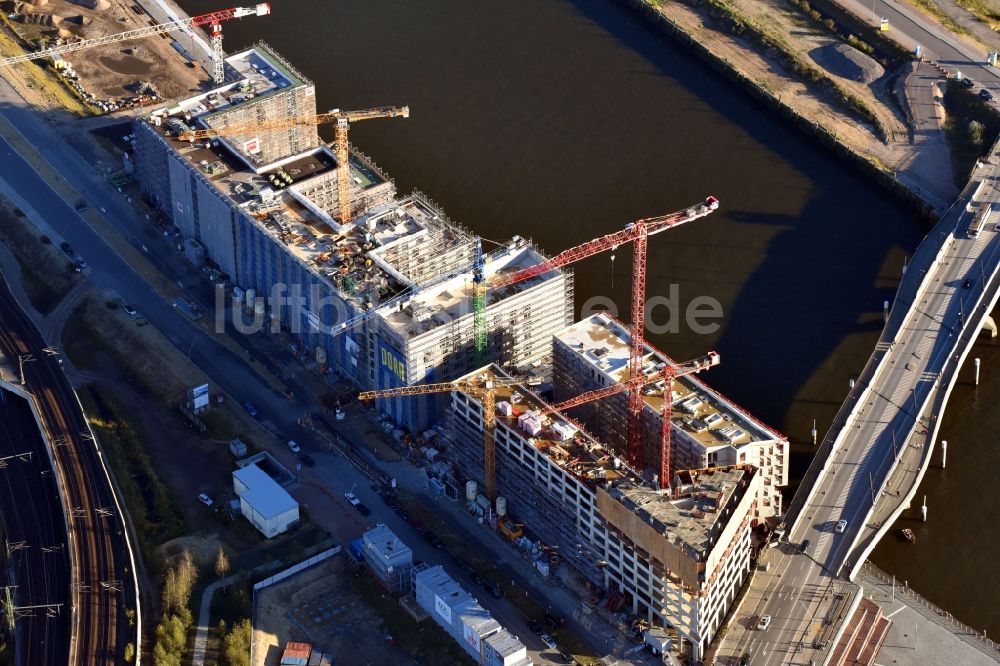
[
  {"x": 471, "y": 490},
  {"x": 501, "y": 506}
]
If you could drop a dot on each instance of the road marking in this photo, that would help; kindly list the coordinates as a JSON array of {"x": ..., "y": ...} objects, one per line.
[{"x": 889, "y": 616}]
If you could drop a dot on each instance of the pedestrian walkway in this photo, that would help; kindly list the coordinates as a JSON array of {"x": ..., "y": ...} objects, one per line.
[{"x": 921, "y": 632}]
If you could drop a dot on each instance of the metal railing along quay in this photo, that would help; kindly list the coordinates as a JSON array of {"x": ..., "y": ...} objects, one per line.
[{"x": 871, "y": 577}]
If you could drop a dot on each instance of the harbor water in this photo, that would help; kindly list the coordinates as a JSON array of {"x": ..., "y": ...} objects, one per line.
[{"x": 562, "y": 120}]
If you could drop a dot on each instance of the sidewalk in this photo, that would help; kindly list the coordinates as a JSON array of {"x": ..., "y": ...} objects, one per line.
[{"x": 922, "y": 632}]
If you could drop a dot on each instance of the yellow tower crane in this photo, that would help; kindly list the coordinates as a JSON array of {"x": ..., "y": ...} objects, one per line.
[
  {"x": 483, "y": 388},
  {"x": 341, "y": 145}
]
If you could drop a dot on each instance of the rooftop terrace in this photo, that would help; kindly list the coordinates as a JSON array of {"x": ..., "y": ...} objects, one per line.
[{"x": 710, "y": 418}]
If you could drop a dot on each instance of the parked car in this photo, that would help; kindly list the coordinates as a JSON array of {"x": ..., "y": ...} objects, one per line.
[
  {"x": 841, "y": 526},
  {"x": 764, "y": 622},
  {"x": 435, "y": 541},
  {"x": 68, "y": 249},
  {"x": 968, "y": 83},
  {"x": 362, "y": 509},
  {"x": 294, "y": 447},
  {"x": 251, "y": 410},
  {"x": 986, "y": 95},
  {"x": 307, "y": 459},
  {"x": 804, "y": 545},
  {"x": 129, "y": 310},
  {"x": 549, "y": 641},
  {"x": 80, "y": 206},
  {"x": 745, "y": 659},
  {"x": 967, "y": 284},
  {"x": 534, "y": 627},
  {"x": 495, "y": 589},
  {"x": 80, "y": 263},
  {"x": 553, "y": 621},
  {"x": 205, "y": 499},
  {"x": 350, "y": 497}
]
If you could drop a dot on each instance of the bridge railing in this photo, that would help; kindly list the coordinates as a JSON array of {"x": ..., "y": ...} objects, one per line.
[
  {"x": 871, "y": 576},
  {"x": 908, "y": 292},
  {"x": 937, "y": 399}
]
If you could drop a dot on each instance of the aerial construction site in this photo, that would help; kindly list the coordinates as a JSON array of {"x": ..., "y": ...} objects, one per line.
[
  {"x": 600, "y": 460},
  {"x": 650, "y": 506}
]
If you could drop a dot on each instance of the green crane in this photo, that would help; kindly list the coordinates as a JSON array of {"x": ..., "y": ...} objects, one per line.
[{"x": 479, "y": 303}]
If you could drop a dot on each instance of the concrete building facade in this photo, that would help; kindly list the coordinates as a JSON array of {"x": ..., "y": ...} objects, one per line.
[
  {"x": 263, "y": 209},
  {"x": 675, "y": 560},
  {"x": 707, "y": 428}
]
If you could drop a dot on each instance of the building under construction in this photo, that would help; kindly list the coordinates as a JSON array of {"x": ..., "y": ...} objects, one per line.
[
  {"x": 675, "y": 559},
  {"x": 707, "y": 429},
  {"x": 382, "y": 298}
]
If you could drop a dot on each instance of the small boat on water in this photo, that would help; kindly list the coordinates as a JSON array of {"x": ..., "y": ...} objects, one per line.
[{"x": 909, "y": 535}]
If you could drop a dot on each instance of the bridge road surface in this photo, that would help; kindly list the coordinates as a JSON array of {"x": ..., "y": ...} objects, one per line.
[{"x": 797, "y": 592}]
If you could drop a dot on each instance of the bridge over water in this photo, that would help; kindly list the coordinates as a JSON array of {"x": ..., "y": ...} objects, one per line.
[{"x": 869, "y": 465}]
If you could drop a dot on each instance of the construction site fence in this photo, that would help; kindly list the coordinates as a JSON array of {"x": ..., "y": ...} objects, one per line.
[
  {"x": 292, "y": 570},
  {"x": 884, "y": 583},
  {"x": 285, "y": 574}
]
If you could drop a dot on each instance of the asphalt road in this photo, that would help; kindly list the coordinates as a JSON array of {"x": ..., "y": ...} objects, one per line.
[
  {"x": 228, "y": 370},
  {"x": 797, "y": 593},
  {"x": 911, "y": 28},
  {"x": 37, "y": 566}
]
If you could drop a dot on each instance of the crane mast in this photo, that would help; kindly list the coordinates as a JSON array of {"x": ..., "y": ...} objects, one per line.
[
  {"x": 342, "y": 119},
  {"x": 634, "y": 385},
  {"x": 213, "y": 20},
  {"x": 479, "y": 303},
  {"x": 638, "y": 233}
]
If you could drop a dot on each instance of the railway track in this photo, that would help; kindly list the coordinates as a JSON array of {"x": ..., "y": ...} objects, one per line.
[{"x": 103, "y": 583}]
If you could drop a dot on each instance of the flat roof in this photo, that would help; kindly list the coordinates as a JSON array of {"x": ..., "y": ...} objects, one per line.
[
  {"x": 691, "y": 514},
  {"x": 446, "y": 300},
  {"x": 385, "y": 542},
  {"x": 263, "y": 493},
  {"x": 300, "y": 214},
  {"x": 562, "y": 440},
  {"x": 444, "y": 586},
  {"x": 701, "y": 412},
  {"x": 688, "y": 516},
  {"x": 504, "y": 643}
]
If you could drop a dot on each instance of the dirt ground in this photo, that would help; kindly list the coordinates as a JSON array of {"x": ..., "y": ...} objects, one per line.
[
  {"x": 113, "y": 70},
  {"x": 770, "y": 74},
  {"x": 319, "y": 606},
  {"x": 45, "y": 286}
]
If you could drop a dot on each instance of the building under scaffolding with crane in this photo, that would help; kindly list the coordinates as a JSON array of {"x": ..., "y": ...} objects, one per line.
[
  {"x": 672, "y": 559},
  {"x": 267, "y": 208},
  {"x": 707, "y": 428}
]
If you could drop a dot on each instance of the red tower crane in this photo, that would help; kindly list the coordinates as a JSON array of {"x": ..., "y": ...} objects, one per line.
[
  {"x": 637, "y": 232},
  {"x": 635, "y": 384}
]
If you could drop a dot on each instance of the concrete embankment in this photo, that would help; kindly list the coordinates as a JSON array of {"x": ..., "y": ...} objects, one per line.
[{"x": 705, "y": 49}]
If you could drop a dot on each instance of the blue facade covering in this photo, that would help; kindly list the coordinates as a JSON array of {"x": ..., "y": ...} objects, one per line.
[
  {"x": 416, "y": 412},
  {"x": 270, "y": 270}
]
